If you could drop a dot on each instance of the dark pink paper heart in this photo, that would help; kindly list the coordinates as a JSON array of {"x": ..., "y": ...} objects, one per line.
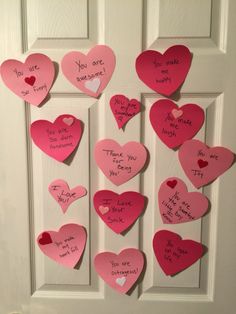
[
  {"x": 118, "y": 211},
  {"x": 164, "y": 73},
  {"x": 174, "y": 124},
  {"x": 58, "y": 139},
  {"x": 174, "y": 254},
  {"x": 202, "y": 164}
]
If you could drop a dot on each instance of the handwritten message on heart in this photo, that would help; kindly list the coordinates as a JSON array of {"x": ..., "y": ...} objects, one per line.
[
  {"x": 118, "y": 211},
  {"x": 61, "y": 192},
  {"x": 175, "y": 125},
  {"x": 164, "y": 73},
  {"x": 174, "y": 254},
  {"x": 119, "y": 163},
  {"x": 58, "y": 139},
  {"x": 177, "y": 205},
  {"x": 31, "y": 80},
  {"x": 120, "y": 271},
  {"x": 124, "y": 109},
  {"x": 65, "y": 246},
  {"x": 92, "y": 72},
  {"x": 202, "y": 164}
]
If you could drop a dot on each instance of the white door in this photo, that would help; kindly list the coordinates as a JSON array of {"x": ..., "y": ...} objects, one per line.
[{"x": 29, "y": 281}]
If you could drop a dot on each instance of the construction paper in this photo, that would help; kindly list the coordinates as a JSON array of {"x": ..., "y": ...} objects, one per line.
[
  {"x": 119, "y": 163},
  {"x": 177, "y": 205},
  {"x": 65, "y": 246},
  {"x": 31, "y": 80},
  {"x": 124, "y": 109},
  {"x": 118, "y": 211},
  {"x": 175, "y": 125},
  {"x": 58, "y": 139},
  {"x": 120, "y": 271},
  {"x": 164, "y": 73},
  {"x": 174, "y": 254},
  {"x": 202, "y": 164},
  {"x": 61, "y": 192},
  {"x": 92, "y": 72}
]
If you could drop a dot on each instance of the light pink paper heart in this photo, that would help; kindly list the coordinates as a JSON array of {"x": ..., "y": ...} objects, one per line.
[
  {"x": 58, "y": 139},
  {"x": 61, "y": 192},
  {"x": 174, "y": 254},
  {"x": 175, "y": 125},
  {"x": 121, "y": 210},
  {"x": 92, "y": 72},
  {"x": 120, "y": 271},
  {"x": 65, "y": 246},
  {"x": 164, "y": 73},
  {"x": 124, "y": 109},
  {"x": 202, "y": 164},
  {"x": 177, "y": 205},
  {"x": 31, "y": 80},
  {"x": 120, "y": 163}
]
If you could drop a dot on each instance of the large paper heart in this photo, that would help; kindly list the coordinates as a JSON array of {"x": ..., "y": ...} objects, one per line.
[
  {"x": 175, "y": 125},
  {"x": 65, "y": 246},
  {"x": 120, "y": 163},
  {"x": 61, "y": 192},
  {"x": 164, "y": 73},
  {"x": 92, "y": 72},
  {"x": 124, "y": 109},
  {"x": 178, "y": 205},
  {"x": 174, "y": 254},
  {"x": 118, "y": 211},
  {"x": 202, "y": 164},
  {"x": 120, "y": 271},
  {"x": 58, "y": 139},
  {"x": 31, "y": 80}
]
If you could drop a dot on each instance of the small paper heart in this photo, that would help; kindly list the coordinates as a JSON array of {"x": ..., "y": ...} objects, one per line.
[
  {"x": 45, "y": 239},
  {"x": 93, "y": 85},
  {"x": 176, "y": 113},
  {"x": 103, "y": 209},
  {"x": 68, "y": 121},
  {"x": 121, "y": 281},
  {"x": 30, "y": 80},
  {"x": 172, "y": 183},
  {"x": 202, "y": 163}
]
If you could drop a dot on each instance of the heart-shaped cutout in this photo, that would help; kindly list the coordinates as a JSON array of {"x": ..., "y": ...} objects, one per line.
[
  {"x": 171, "y": 183},
  {"x": 66, "y": 246},
  {"x": 45, "y": 239},
  {"x": 214, "y": 161},
  {"x": 120, "y": 271},
  {"x": 174, "y": 130},
  {"x": 31, "y": 80},
  {"x": 122, "y": 211},
  {"x": 177, "y": 205},
  {"x": 93, "y": 85},
  {"x": 69, "y": 121},
  {"x": 120, "y": 163}
]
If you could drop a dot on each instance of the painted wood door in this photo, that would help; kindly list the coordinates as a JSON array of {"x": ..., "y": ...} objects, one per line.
[{"x": 30, "y": 282}]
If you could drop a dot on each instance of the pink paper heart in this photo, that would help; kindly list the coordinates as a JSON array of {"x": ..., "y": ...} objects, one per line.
[
  {"x": 202, "y": 164},
  {"x": 61, "y": 192},
  {"x": 174, "y": 130},
  {"x": 122, "y": 211},
  {"x": 92, "y": 72},
  {"x": 31, "y": 80},
  {"x": 177, "y": 205},
  {"x": 120, "y": 271},
  {"x": 174, "y": 254},
  {"x": 58, "y": 139},
  {"x": 68, "y": 121},
  {"x": 164, "y": 73},
  {"x": 124, "y": 109},
  {"x": 119, "y": 163},
  {"x": 67, "y": 244}
]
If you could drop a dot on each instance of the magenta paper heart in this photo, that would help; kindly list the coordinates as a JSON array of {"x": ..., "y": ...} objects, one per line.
[
  {"x": 175, "y": 125},
  {"x": 31, "y": 80},
  {"x": 178, "y": 205},
  {"x": 202, "y": 164},
  {"x": 164, "y": 73},
  {"x": 119, "y": 163},
  {"x": 120, "y": 271},
  {"x": 118, "y": 211},
  {"x": 92, "y": 72},
  {"x": 58, "y": 139},
  {"x": 174, "y": 254},
  {"x": 124, "y": 109},
  {"x": 61, "y": 192},
  {"x": 65, "y": 246}
]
